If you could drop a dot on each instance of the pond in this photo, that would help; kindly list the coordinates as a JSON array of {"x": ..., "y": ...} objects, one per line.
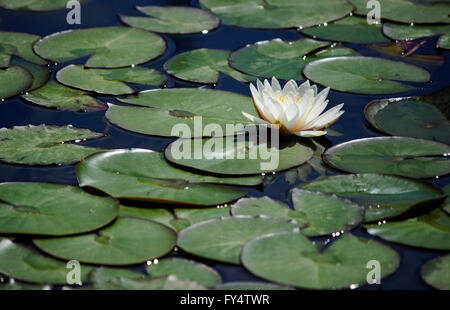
[{"x": 119, "y": 131}]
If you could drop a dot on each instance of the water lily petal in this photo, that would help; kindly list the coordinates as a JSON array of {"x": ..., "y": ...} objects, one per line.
[
  {"x": 275, "y": 85},
  {"x": 310, "y": 133},
  {"x": 327, "y": 118},
  {"x": 255, "y": 119}
]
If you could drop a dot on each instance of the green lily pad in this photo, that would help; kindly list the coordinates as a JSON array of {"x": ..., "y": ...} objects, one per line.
[
  {"x": 408, "y": 32},
  {"x": 446, "y": 205},
  {"x": 203, "y": 66},
  {"x": 402, "y": 156},
  {"x": 102, "y": 274},
  {"x": 188, "y": 217},
  {"x": 44, "y": 145},
  {"x": 108, "y": 47},
  {"x": 283, "y": 59},
  {"x": 407, "y": 11},
  {"x": 223, "y": 239},
  {"x": 185, "y": 269},
  {"x": 382, "y": 196},
  {"x": 299, "y": 262},
  {"x": 172, "y": 19},
  {"x": 322, "y": 214},
  {"x": 108, "y": 81},
  {"x": 19, "y": 44},
  {"x": 35, "y": 5},
  {"x": 127, "y": 241},
  {"x": 13, "y": 81},
  {"x": 436, "y": 272},
  {"x": 351, "y": 29},
  {"x": 430, "y": 231},
  {"x": 19, "y": 262},
  {"x": 18, "y": 286},
  {"x": 159, "y": 111},
  {"x": 57, "y": 96},
  {"x": 409, "y": 117},
  {"x": 215, "y": 155},
  {"x": 150, "y": 178},
  {"x": 274, "y": 14},
  {"x": 162, "y": 216},
  {"x": 52, "y": 209},
  {"x": 164, "y": 283},
  {"x": 40, "y": 74},
  {"x": 365, "y": 75},
  {"x": 251, "y": 286}
]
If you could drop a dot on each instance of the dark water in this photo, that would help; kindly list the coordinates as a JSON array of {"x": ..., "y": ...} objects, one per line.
[{"x": 16, "y": 111}]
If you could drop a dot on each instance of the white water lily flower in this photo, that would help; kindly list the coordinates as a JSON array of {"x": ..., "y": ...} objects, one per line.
[{"x": 293, "y": 109}]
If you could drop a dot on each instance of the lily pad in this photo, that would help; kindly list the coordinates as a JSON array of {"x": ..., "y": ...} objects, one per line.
[
  {"x": 35, "y": 5},
  {"x": 251, "y": 286},
  {"x": 102, "y": 274},
  {"x": 108, "y": 81},
  {"x": 162, "y": 216},
  {"x": 274, "y": 14},
  {"x": 299, "y": 262},
  {"x": 185, "y": 269},
  {"x": 13, "y": 81},
  {"x": 203, "y": 66},
  {"x": 40, "y": 74},
  {"x": 164, "y": 283},
  {"x": 249, "y": 158},
  {"x": 52, "y": 209},
  {"x": 222, "y": 239},
  {"x": 382, "y": 196},
  {"x": 365, "y": 75},
  {"x": 351, "y": 29},
  {"x": 57, "y": 96},
  {"x": 283, "y": 59},
  {"x": 436, "y": 272},
  {"x": 407, "y": 11},
  {"x": 402, "y": 156},
  {"x": 19, "y": 44},
  {"x": 430, "y": 231},
  {"x": 22, "y": 263},
  {"x": 150, "y": 178},
  {"x": 408, "y": 32},
  {"x": 18, "y": 286},
  {"x": 107, "y": 47},
  {"x": 446, "y": 205},
  {"x": 411, "y": 117},
  {"x": 127, "y": 241},
  {"x": 172, "y": 19},
  {"x": 321, "y": 214},
  {"x": 44, "y": 145},
  {"x": 188, "y": 217},
  {"x": 159, "y": 111}
]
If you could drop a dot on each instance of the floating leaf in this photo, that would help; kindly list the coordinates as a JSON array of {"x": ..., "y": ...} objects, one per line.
[
  {"x": 436, "y": 272},
  {"x": 322, "y": 214},
  {"x": 203, "y": 66},
  {"x": 382, "y": 196},
  {"x": 417, "y": 12},
  {"x": 127, "y": 241},
  {"x": 411, "y": 117},
  {"x": 402, "y": 156},
  {"x": 52, "y": 209},
  {"x": 40, "y": 74},
  {"x": 283, "y": 59},
  {"x": 430, "y": 231},
  {"x": 35, "y": 5},
  {"x": 365, "y": 75},
  {"x": 159, "y": 111},
  {"x": 44, "y": 145},
  {"x": 150, "y": 178},
  {"x": 164, "y": 283},
  {"x": 102, "y": 274},
  {"x": 19, "y": 44},
  {"x": 172, "y": 19},
  {"x": 108, "y": 47},
  {"x": 273, "y": 14},
  {"x": 248, "y": 158},
  {"x": 351, "y": 29},
  {"x": 14, "y": 80},
  {"x": 251, "y": 286},
  {"x": 408, "y": 32},
  {"x": 108, "y": 81},
  {"x": 55, "y": 95},
  {"x": 191, "y": 216},
  {"x": 185, "y": 269},
  {"x": 19, "y": 262},
  {"x": 299, "y": 263},
  {"x": 446, "y": 205},
  {"x": 162, "y": 216},
  {"x": 17, "y": 286},
  {"x": 223, "y": 239}
]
